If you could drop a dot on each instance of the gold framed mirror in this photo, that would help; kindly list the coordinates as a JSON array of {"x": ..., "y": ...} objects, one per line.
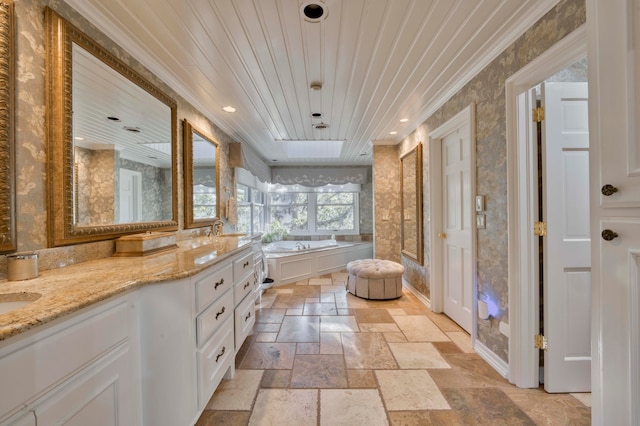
[
  {"x": 7, "y": 148},
  {"x": 411, "y": 204},
  {"x": 201, "y": 177},
  {"x": 112, "y": 143}
]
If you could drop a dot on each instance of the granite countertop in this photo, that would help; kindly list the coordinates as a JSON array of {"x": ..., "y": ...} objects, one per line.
[{"x": 66, "y": 290}]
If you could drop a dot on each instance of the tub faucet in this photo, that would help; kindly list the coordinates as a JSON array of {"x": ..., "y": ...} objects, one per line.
[
  {"x": 216, "y": 227},
  {"x": 299, "y": 246}
]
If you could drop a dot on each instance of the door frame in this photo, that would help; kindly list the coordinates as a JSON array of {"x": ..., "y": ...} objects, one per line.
[
  {"x": 522, "y": 187},
  {"x": 436, "y": 222}
]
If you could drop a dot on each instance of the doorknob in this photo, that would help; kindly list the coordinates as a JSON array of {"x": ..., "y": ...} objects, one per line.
[
  {"x": 608, "y": 190},
  {"x": 609, "y": 235},
  {"x": 442, "y": 235}
]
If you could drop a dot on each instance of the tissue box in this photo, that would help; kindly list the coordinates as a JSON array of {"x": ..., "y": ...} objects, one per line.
[{"x": 145, "y": 244}]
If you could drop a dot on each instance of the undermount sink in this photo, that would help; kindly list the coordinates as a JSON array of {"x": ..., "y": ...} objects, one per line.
[{"x": 12, "y": 301}]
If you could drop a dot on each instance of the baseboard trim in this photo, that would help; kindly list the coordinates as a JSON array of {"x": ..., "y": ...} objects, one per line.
[
  {"x": 421, "y": 297},
  {"x": 492, "y": 359}
]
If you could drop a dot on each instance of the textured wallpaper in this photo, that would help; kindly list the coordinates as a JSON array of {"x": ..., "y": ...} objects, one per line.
[
  {"x": 386, "y": 202},
  {"x": 487, "y": 91}
]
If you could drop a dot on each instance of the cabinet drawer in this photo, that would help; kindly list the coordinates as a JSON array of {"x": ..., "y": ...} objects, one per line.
[
  {"x": 245, "y": 286},
  {"x": 211, "y": 285},
  {"x": 213, "y": 317},
  {"x": 243, "y": 264},
  {"x": 213, "y": 360},
  {"x": 245, "y": 317}
]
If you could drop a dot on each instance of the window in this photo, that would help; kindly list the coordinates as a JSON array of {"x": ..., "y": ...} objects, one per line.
[
  {"x": 204, "y": 202},
  {"x": 306, "y": 211},
  {"x": 250, "y": 208}
]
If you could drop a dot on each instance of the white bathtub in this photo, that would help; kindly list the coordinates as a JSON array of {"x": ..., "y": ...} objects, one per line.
[
  {"x": 288, "y": 262},
  {"x": 299, "y": 246}
]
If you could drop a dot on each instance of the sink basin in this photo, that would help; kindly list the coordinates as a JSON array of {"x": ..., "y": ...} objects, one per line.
[{"x": 12, "y": 301}]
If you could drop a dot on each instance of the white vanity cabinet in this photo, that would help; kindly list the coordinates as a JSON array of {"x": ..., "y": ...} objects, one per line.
[
  {"x": 244, "y": 295},
  {"x": 83, "y": 370}
]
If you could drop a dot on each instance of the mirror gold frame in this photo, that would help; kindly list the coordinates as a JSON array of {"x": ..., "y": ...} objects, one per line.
[
  {"x": 7, "y": 147},
  {"x": 411, "y": 204},
  {"x": 60, "y": 35},
  {"x": 189, "y": 221}
]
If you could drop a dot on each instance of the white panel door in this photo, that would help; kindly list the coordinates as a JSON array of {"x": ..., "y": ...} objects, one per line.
[
  {"x": 567, "y": 247},
  {"x": 457, "y": 216},
  {"x": 130, "y": 196}
]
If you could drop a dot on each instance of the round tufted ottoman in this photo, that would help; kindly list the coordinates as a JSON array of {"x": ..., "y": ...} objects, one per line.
[{"x": 375, "y": 279}]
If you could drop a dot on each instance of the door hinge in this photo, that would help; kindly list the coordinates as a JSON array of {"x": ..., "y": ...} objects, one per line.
[
  {"x": 538, "y": 114},
  {"x": 540, "y": 342},
  {"x": 540, "y": 229}
]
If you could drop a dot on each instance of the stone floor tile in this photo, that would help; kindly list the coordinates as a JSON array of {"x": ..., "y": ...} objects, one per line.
[
  {"x": 294, "y": 312},
  {"x": 270, "y": 315},
  {"x": 419, "y": 328},
  {"x": 396, "y": 311},
  {"x": 328, "y": 298},
  {"x": 367, "y": 351},
  {"x": 404, "y": 390},
  {"x": 361, "y": 379},
  {"x": 289, "y": 302},
  {"x": 285, "y": 407},
  {"x": 319, "y": 371},
  {"x": 215, "y": 418},
  {"x": 373, "y": 315},
  {"x": 300, "y": 329},
  {"x": 320, "y": 309},
  {"x": 320, "y": 281},
  {"x": 274, "y": 356},
  {"x": 417, "y": 355},
  {"x": 447, "y": 347},
  {"x": 424, "y": 418},
  {"x": 329, "y": 324},
  {"x": 280, "y": 291},
  {"x": 236, "y": 394},
  {"x": 585, "y": 398},
  {"x": 266, "y": 337},
  {"x": 308, "y": 349},
  {"x": 351, "y": 407},
  {"x": 379, "y": 328},
  {"x": 444, "y": 322},
  {"x": 332, "y": 289},
  {"x": 345, "y": 311},
  {"x": 306, "y": 291},
  {"x": 392, "y": 337},
  {"x": 275, "y": 379},
  {"x": 485, "y": 406},
  {"x": 330, "y": 344},
  {"x": 266, "y": 327},
  {"x": 462, "y": 339},
  {"x": 544, "y": 408}
]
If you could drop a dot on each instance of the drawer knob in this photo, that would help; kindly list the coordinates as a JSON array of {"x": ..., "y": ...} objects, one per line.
[
  {"x": 245, "y": 264},
  {"x": 609, "y": 235},
  {"x": 218, "y": 284},
  {"x": 246, "y": 285},
  {"x": 221, "y": 353},
  {"x": 608, "y": 190},
  {"x": 246, "y": 318},
  {"x": 220, "y": 313}
]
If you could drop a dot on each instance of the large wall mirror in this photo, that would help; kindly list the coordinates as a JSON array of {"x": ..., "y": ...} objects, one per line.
[
  {"x": 411, "y": 204},
  {"x": 201, "y": 177},
  {"x": 7, "y": 195},
  {"x": 112, "y": 143}
]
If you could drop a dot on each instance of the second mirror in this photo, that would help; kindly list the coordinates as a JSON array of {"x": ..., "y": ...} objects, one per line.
[{"x": 201, "y": 177}]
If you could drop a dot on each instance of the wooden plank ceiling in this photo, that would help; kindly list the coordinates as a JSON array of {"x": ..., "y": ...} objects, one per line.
[{"x": 378, "y": 61}]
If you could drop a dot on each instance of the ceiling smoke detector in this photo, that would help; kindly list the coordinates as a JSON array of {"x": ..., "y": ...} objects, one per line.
[{"x": 321, "y": 126}]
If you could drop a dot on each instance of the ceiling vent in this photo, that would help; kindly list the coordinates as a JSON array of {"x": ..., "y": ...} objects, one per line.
[{"x": 321, "y": 126}]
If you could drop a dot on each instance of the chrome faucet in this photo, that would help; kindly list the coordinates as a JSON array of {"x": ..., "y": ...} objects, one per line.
[
  {"x": 216, "y": 227},
  {"x": 299, "y": 246}
]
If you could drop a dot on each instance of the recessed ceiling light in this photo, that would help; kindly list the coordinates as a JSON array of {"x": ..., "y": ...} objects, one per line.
[
  {"x": 404, "y": 120},
  {"x": 314, "y": 11},
  {"x": 228, "y": 108},
  {"x": 393, "y": 133}
]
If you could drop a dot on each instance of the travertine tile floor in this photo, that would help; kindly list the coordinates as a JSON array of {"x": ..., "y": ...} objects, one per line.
[{"x": 321, "y": 356}]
